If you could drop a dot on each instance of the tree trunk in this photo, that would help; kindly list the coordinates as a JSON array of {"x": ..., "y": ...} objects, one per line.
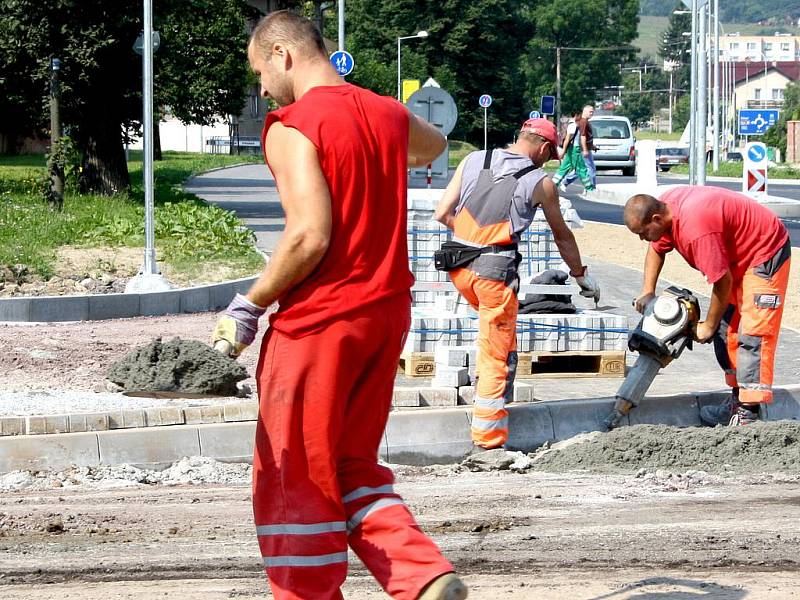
[
  {"x": 104, "y": 168},
  {"x": 157, "y": 136}
]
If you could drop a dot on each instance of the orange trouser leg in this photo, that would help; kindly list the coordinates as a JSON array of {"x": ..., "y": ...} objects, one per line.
[
  {"x": 762, "y": 309},
  {"x": 497, "y": 344}
]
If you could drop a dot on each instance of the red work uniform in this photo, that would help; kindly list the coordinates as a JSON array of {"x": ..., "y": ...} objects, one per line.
[
  {"x": 327, "y": 367},
  {"x": 717, "y": 230}
]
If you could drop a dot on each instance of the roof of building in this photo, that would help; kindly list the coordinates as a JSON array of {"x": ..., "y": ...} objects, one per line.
[{"x": 743, "y": 70}]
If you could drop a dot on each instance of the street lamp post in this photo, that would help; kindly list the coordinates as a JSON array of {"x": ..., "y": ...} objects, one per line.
[{"x": 419, "y": 34}]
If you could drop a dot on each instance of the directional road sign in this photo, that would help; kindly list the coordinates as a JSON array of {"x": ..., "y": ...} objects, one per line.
[
  {"x": 548, "y": 105},
  {"x": 485, "y": 101},
  {"x": 534, "y": 114},
  {"x": 754, "y": 174},
  {"x": 756, "y": 121},
  {"x": 343, "y": 62}
]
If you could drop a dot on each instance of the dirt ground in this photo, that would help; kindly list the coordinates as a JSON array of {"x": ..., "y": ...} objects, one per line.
[
  {"x": 615, "y": 244},
  {"x": 573, "y": 536}
]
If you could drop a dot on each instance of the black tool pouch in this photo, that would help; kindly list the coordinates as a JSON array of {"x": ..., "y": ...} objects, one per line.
[{"x": 454, "y": 255}]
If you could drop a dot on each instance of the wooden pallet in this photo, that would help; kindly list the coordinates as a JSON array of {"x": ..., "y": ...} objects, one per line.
[
  {"x": 562, "y": 365},
  {"x": 417, "y": 364}
]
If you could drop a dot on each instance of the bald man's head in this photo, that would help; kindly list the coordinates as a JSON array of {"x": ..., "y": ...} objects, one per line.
[
  {"x": 647, "y": 217},
  {"x": 288, "y": 29}
]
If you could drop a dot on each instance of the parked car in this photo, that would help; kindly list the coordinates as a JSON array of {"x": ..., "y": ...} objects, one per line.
[
  {"x": 734, "y": 156},
  {"x": 616, "y": 145},
  {"x": 669, "y": 156}
]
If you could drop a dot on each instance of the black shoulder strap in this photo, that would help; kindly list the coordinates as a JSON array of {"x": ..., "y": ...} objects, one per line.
[
  {"x": 522, "y": 172},
  {"x": 487, "y": 162}
]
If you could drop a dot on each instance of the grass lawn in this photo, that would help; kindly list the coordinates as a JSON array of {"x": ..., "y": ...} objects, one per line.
[
  {"x": 191, "y": 236},
  {"x": 734, "y": 169},
  {"x": 657, "y": 135},
  {"x": 458, "y": 150}
]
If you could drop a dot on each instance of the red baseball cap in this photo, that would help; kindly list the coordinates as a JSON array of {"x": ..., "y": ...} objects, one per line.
[{"x": 544, "y": 129}]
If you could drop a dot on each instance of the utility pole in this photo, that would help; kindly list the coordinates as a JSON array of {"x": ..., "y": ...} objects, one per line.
[
  {"x": 702, "y": 82},
  {"x": 693, "y": 101},
  {"x": 56, "y": 196},
  {"x": 341, "y": 24},
  {"x": 716, "y": 86},
  {"x": 558, "y": 87}
]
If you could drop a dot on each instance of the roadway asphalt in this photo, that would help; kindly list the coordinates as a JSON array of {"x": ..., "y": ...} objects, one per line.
[{"x": 611, "y": 213}]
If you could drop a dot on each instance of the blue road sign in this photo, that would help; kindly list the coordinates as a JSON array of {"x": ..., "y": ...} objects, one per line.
[
  {"x": 534, "y": 114},
  {"x": 756, "y": 121},
  {"x": 548, "y": 105},
  {"x": 485, "y": 101},
  {"x": 343, "y": 62},
  {"x": 757, "y": 153}
]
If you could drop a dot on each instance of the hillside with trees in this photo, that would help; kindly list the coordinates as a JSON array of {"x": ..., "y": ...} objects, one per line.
[{"x": 770, "y": 12}]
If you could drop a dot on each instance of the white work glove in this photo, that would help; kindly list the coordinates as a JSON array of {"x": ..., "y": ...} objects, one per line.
[
  {"x": 237, "y": 327},
  {"x": 642, "y": 300},
  {"x": 589, "y": 286}
]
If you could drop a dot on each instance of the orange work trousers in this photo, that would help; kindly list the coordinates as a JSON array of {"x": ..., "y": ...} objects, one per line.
[
  {"x": 497, "y": 307},
  {"x": 747, "y": 338},
  {"x": 317, "y": 485}
]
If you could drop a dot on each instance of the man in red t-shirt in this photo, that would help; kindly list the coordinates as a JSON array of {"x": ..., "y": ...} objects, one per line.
[
  {"x": 744, "y": 251},
  {"x": 339, "y": 155}
]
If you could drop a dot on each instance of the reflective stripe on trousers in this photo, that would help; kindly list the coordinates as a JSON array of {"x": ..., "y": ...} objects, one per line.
[
  {"x": 747, "y": 339},
  {"x": 497, "y": 307}
]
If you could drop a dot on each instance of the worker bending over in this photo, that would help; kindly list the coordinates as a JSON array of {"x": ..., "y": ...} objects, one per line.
[{"x": 744, "y": 251}]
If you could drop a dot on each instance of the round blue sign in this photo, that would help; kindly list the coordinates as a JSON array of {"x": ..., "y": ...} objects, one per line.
[
  {"x": 534, "y": 114},
  {"x": 343, "y": 62},
  {"x": 757, "y": 153},
  {"x": 485, "y": 101}
]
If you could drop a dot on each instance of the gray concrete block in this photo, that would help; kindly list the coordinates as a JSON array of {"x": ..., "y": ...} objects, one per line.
[
  {"x": 113, "y": 306},
  {"x": 220, "y": 296},
  {"x": 228, "y": 441},
  {"x": 196, "y": 299},
  {"x": 39, "y": 425},
  {"x": 242, "y": 286},
  {"x": 124, "y": 419},
  {"x": 163, "y": 415},
  {"x": 428, "y": 436},
  {"x": 523, "y": 392},
  {"x": 680, "y": 411},
  {"x": 51, "y": 452},
  {"x": 451, "y": 356},
  {"x": 785, "y": 405},
  {"x": 438, "y": 396},
  {"x": 571, "y": 417},
  {"x": 529, "y": 426},
  {"x": 195, "y": 415},
  {"x": 12, "y": 426},
  {"x": 466, "y": 394},
  {"x": 15, "y": 309},
  {"x": 148, "y": 447},
  {"x": 160, "y": 303},
  {"x": 383, "y": 449},
  {"x": 61, "y": 308},
  {"x": 88, "y": 422},
  {"x": 450, "y": 376},
  {"x": 243, "y": 411},
  {"x": 405, "y": 397}
]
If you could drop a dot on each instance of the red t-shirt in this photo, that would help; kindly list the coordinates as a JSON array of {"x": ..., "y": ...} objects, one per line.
[
  {"x": 716, "y": 229},
  {"x": 362, "y": 143}
]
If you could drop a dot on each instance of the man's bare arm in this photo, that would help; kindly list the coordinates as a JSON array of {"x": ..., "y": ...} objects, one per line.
[
  {"x": 546, "y": 195},
  {"x": 424, "y": 141},
  {"x": 445, "y": 210},
  {"x": 306, "y": 200}
]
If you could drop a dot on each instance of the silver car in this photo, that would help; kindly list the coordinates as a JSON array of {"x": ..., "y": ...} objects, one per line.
[{"x": 616, "y": 145}]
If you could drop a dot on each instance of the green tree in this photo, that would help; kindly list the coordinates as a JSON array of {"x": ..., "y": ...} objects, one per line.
[
  {"x": 200, "y": 70},
  {"x": 606, "y": 26},
  {"x": 676, "y": 47}
]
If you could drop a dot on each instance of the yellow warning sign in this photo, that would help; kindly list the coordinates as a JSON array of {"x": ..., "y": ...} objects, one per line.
[{"x": 409, "y": 87}]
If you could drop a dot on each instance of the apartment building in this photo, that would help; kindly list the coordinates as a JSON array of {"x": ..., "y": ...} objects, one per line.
[{"x": 778, "y": 47}]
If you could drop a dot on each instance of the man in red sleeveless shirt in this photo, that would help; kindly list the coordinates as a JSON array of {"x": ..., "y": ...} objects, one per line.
[
  {"x": 744, "y": 251},
  {"x": 339, "y": 155}
]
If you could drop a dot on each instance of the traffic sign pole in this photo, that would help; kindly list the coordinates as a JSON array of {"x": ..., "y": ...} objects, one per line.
[{"x": 485, "y": 101}]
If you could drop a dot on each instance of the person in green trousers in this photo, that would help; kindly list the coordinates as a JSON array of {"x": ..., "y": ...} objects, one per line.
[{"x": 574, "y": 148}]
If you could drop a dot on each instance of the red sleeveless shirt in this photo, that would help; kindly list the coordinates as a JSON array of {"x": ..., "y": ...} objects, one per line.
[{"x": 362, "y": 144}]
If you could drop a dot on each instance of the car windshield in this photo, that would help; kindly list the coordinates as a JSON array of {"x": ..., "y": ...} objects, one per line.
[
  {"x": 610, "y": 129},
  {"x": 673, "y": 151}
]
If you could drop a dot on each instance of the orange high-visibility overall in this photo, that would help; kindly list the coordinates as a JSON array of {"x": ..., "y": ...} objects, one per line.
[{"x": 495, "y": 207}]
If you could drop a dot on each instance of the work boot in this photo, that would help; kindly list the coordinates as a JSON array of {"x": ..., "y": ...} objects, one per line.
[
  {"x": 744, "y": 415},
  {"x": 445, "y": 587},
  {"x": 720, "y": 414}
]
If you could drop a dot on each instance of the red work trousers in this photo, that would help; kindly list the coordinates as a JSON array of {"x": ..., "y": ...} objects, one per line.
[
  {"x": 317, "y": 485},
  {"x": 747, "y": 338}
]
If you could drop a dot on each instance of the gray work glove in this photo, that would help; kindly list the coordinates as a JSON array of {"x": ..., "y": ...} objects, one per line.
[
  {"x": 237, "y": 327},
  {"x": 589, "y": 286}
]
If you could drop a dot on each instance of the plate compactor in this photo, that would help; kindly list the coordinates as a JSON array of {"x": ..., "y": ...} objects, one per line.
[{"x": 667, "y": 327}]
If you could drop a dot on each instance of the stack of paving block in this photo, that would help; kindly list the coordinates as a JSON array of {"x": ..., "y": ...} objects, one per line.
[
  {"x": 587, "y": 330},
  {"x": 455, "y": 365}
]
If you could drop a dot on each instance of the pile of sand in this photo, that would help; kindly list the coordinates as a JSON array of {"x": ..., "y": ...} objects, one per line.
[
  {"x": 758, "y": 448},
  {"x": 179, "y": 367}
]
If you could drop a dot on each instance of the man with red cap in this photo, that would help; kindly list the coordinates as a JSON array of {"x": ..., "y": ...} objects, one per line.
[{"x": 490, "y": 201}]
